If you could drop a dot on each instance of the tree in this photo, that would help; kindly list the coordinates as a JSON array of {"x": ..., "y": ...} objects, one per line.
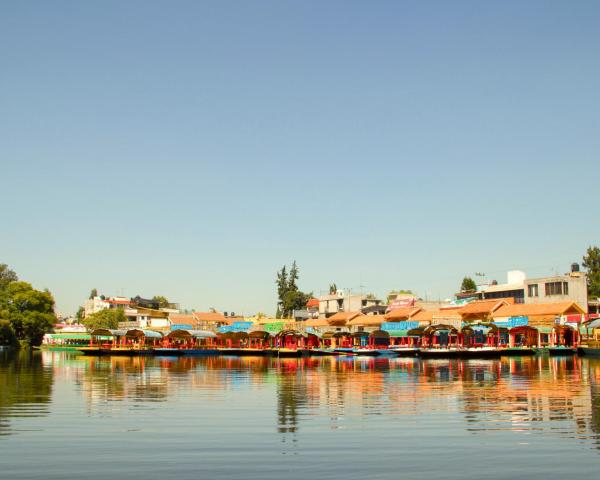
[
  {"x": 290, "y": 298},
  {"x": 468, "y": 285},
  {"x": 294, "y": 300},
  {"x": 29, "y": 311},
  {"x": 107, "y": 318},
  {"x": 93, "y": 293},
  {"x": 293, "y": 277},
  {"x": 7, "y": 334},
  {"x": 591, "y": 262},
  {"x": 79, "y": 316},
  {"x": 6, "y": 276},
  {"x": 332, "y": 289},
  {"x": 162, "y": 301}
]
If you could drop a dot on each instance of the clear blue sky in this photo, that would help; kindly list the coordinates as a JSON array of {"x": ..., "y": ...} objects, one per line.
[{"x": 192, "y": 148}]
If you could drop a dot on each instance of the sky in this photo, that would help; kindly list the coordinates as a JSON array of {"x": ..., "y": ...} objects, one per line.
[{"x": 191, "y": 148}]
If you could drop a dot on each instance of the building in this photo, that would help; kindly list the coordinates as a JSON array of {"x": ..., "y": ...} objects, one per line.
[
  {"x": 540, "y": 314},
  {"x": 342, "y": 301},
  {"x": 571, "y": 286},
  {"x": 100, "y": 302}
]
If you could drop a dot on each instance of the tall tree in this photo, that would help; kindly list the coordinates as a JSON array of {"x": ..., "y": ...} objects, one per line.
[
  {"x": 591, "y": 262},
  {"x": 79, "y": 316},
  {"x": 293, "y": 277},
  {"x": 93, "y": 293},
  {"x": 290, "y": 298},
  {"x": 468, "y": 285},
  {"x": 282, "y": 287},
  {"x": 332, "y": 289}
]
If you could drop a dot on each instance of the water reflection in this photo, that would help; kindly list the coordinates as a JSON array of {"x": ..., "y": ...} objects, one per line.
[
  {"x": 529, "y": 395},
  {"x": 25, "y": 388}
]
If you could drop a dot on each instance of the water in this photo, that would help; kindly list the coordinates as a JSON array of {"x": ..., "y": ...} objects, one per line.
[{"x": 66, "y": 416}]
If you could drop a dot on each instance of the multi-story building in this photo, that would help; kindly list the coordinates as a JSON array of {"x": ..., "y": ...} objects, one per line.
[
  {"x": 344, "y": 301},
  {"x": 571, "y": 286}
]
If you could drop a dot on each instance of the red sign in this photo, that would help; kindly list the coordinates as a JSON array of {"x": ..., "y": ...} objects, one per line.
[{"x": 401, "y": 303}]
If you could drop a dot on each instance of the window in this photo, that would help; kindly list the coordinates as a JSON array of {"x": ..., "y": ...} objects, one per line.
[
  {"x": 554, "y": 288},
  {"x": 565, "y": 288},
  {"x": 532, "y": 290}
]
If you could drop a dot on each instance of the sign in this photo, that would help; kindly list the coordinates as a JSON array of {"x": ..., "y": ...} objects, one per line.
[
  {"x": 401, "y": 303},
  {"x": 274, "y": 327},
  {"x": 395, "y": 326},
  {"x": 512, "y": 322},
  {"x": 235, "y": 327}
]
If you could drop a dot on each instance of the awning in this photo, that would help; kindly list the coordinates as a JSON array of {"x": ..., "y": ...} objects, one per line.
[{"x": 593, "y": 324}]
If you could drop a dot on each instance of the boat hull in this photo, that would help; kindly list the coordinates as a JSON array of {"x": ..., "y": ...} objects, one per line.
[
  {"x": 438, "y": 353},
  {"x": 480, "y": 353},
  {"x": 560, "y": 351},
  {"x": 404, "y": 352},
  {"x": 589, "y": 351},
  {"x": 517, "y": 352}
]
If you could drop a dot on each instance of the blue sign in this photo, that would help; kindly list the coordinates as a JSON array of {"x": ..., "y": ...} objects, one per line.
[
  {"x": 513, "y": 322},
  {"x": 235, "y": 327},
  {"x": 395, "y": 326}
]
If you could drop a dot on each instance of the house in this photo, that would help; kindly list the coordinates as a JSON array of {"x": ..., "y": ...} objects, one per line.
[
  {"x": 146, "y": 318},
  {"x": 342, "y": 301},
  {"x": 100, "y": 302}
]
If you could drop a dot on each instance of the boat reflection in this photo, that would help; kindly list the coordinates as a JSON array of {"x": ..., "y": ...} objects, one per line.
[{"x": 555, "y": 395}]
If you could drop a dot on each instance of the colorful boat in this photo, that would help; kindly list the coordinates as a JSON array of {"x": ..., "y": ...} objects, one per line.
[
  {"x": 71, "y": 341},
  {"x": 439, "y": 341}
]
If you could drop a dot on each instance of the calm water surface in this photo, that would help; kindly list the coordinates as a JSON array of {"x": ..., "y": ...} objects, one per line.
[{"x": 66, "y": 416}]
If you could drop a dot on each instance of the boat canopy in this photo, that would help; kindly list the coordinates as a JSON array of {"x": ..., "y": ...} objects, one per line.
[
  {"x": 480, "y": 327},
  {"x": 593, "y": 324},
  {"x": 433, "y": 329},
  {"x": 181, "y": 333},
  {"x": 68, "y": 336},
  {"x": 379, "y": 334},
  {"x": 107, "y": 332},
  {"x": 415, "y": 332},
  {"x": 136, "y": 333},
  {"x": 259, "y": 334}
]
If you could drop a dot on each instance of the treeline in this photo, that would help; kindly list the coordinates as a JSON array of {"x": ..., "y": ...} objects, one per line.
[{"x": 26, "y": 314}]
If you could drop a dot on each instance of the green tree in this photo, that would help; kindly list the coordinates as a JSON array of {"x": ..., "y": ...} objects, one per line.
[
  {"x": 294, "y": 300},
  {"x": 293, "y": 277},
  {"x": 591, "y": 262},
  {"x": 332, "y": 289},
  {"x": 290, "y": 298},
  {"x": 468, "y": 285},
  {"x": 93, "y": 293},
  {"x": 162, "y": 301},
  {"x": 80, "y": 314},
  {"x": 30, "y": 312},
  {"x": 107, "y": 318},
  {"x": 6, "y": 276},
  {"x": 7, "y": 334}
]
